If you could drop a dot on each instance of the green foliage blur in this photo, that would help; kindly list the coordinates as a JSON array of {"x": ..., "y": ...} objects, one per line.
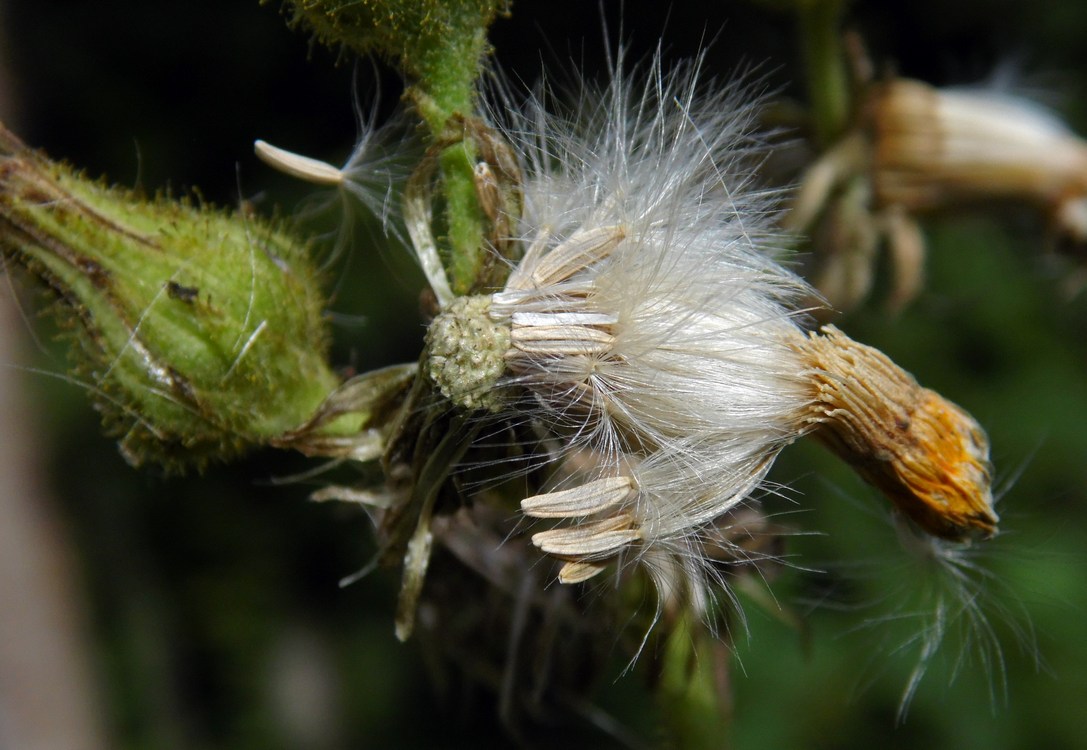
[{"x": 208, "y": 593}]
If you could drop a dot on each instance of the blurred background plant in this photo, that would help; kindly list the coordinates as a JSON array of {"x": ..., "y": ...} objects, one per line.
[{"x": 215, "y": 615}]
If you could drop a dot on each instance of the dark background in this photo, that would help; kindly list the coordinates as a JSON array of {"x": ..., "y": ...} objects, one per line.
[{"x": 214, "y": 605}]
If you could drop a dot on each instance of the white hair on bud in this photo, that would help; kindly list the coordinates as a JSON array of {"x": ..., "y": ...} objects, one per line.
[{"x": 649, "y": 320}]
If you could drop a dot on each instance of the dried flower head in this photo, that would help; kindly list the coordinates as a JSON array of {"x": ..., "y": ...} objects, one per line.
[
  {"x": 938, "y": 148},
  {"x": 926, "y": 454},
  {"x": 650, "y": 328},
  {"x": 648, "y": 320},
  {"x": 651, "y": 334},
  {"x": 918, "y": 150}
]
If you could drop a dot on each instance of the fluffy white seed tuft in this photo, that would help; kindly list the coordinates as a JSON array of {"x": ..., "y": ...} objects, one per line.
[
  {"x": 649, "y": 320},
  {"x": 368, "y": 185}
]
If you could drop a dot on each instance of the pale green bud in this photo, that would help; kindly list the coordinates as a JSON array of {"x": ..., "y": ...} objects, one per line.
[{"x": 201, "y": 331}]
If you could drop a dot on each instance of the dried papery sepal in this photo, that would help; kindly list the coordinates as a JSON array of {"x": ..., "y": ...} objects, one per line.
[
  {"x": 848, "y": 158},
  {"x": 418, "y": 217},
  {"x": 848, "y": 241},
  {"x": 366, "y": 498},
  {"x": 934, "y": 149},
  {"x": 408, "y": 525},
  {"x": 927, "y": 455},
  {"x": 492, "y": 209},
  {"x": 904, "y": 234},
  {"x": 353, "y": 421},
  {"x": 499, "y": 189},
  {"x": 917, "y": 150}
]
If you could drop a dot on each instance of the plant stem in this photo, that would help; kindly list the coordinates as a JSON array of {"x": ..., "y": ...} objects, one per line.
[{"x": 824, "y": 64}]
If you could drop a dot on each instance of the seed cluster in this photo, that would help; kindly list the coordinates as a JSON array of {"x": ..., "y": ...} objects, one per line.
[{"x": 466, "y": 353}]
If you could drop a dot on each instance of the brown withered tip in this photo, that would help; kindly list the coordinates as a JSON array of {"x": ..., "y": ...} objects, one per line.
[{"x": 927, "y": 455}]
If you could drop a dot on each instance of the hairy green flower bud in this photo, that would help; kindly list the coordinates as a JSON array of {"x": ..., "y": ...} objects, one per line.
[
  {"x": 201, "y": 331},
  {"x": 423, "y": 37}
]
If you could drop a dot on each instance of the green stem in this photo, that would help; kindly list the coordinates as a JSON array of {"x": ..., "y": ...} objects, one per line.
[
  {"x": 464, "y": 219},
  {"x": 440, "y": 95},
  {"x": 824, "y": 64},
  {"x": 693, "y": 691},
  {"x": 439, "y": 46},
  {"x": 445, "y": 70}
]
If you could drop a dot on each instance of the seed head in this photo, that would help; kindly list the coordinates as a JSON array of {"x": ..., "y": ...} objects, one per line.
[
  {"x": 466, "y": 353},
  {"x": 650, "y": 330},
  {"x": 653, "y": 328},
  {"x": 648, "y": 320}
]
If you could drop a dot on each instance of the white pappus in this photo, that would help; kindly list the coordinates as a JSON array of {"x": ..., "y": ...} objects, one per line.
[
  {"x": 650, "y": 327},
  {"x": 648, "y": 323}
]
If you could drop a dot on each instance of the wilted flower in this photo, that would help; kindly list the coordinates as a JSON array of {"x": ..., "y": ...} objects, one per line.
[
  {"x": 917, "y": 150},
  {"x": 935, "y": 149}
]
